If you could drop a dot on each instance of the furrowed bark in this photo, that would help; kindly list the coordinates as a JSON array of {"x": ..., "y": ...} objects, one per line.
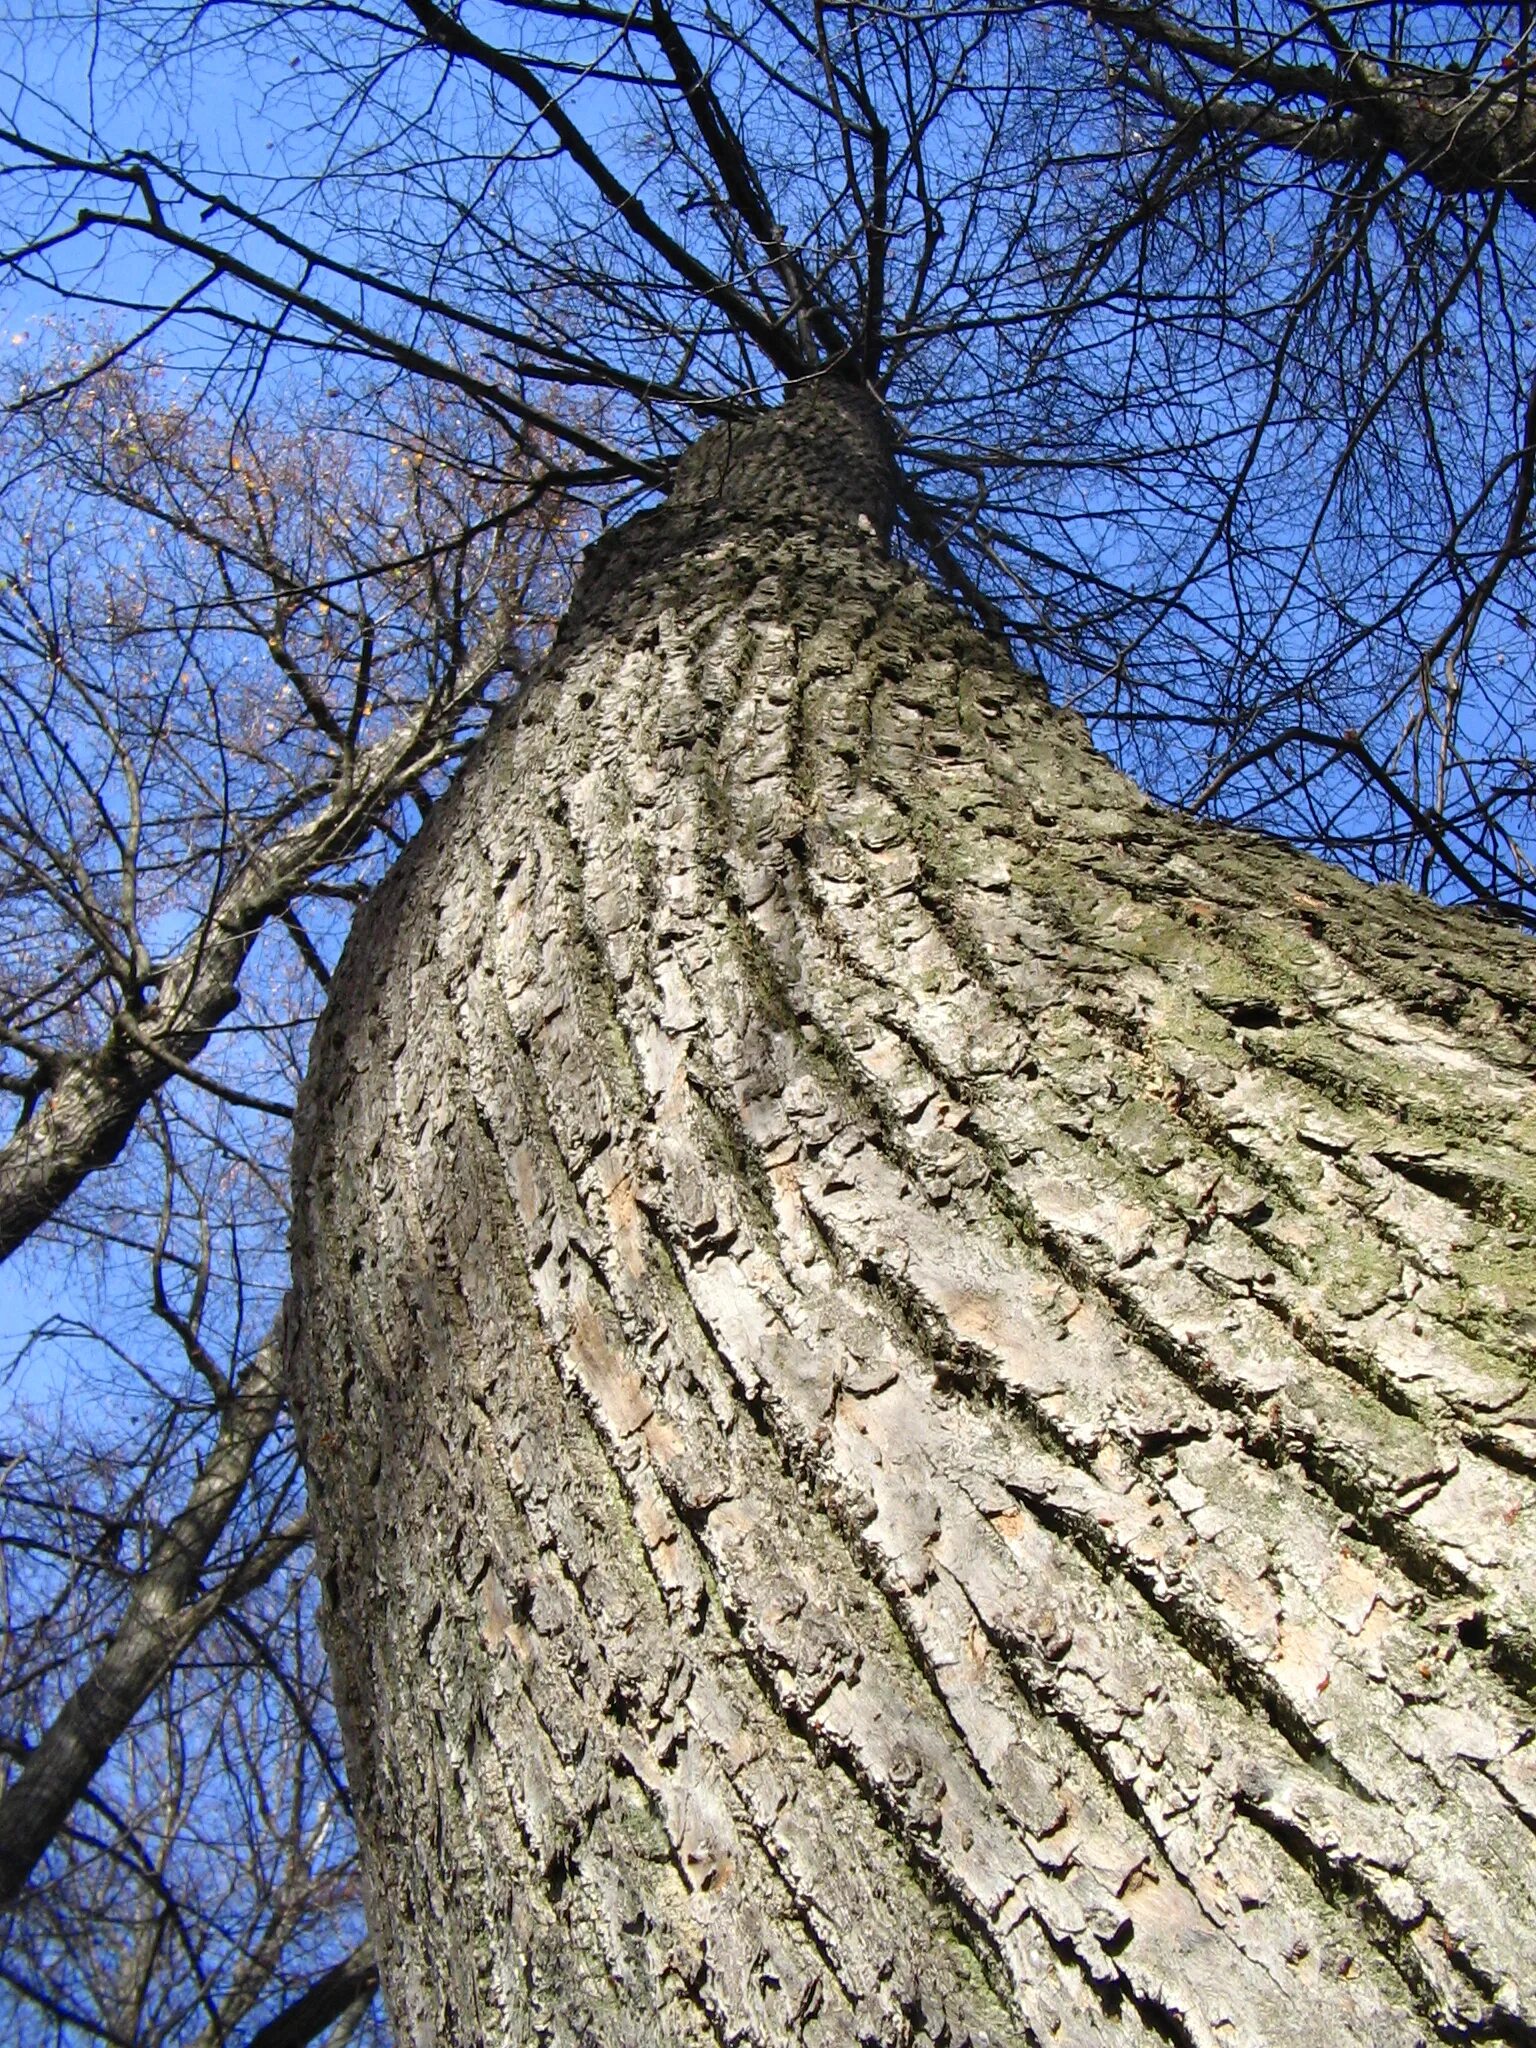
[
  {"x": 915, "y": 1373},
  {"x": 165, "y": 1611}
]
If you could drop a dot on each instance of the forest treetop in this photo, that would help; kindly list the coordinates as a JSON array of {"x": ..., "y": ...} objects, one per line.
[{"x": 1204, "y": 329}]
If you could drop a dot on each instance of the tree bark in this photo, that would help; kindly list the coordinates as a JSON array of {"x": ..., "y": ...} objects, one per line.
[{"x": 915, "y": 1372}]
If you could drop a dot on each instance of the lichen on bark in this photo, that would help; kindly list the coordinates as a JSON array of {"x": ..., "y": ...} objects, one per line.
[{"x": 916, "y": 1373}]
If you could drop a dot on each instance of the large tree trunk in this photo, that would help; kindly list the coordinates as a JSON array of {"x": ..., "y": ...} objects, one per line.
[{"x": 916, "y": 1374}]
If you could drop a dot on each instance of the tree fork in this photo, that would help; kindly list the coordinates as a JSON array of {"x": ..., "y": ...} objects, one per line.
[{"x": 915, "y": 1372}]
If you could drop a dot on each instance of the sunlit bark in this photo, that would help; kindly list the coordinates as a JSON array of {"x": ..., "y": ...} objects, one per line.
[{"x": 915, "y": 1372}]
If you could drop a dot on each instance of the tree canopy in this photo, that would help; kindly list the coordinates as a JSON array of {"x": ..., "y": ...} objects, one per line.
[{"x": 1203, "y": 330}]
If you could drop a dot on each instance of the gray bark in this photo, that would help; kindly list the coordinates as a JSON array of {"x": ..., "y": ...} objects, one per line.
[{"x": 916, "y": 1374}]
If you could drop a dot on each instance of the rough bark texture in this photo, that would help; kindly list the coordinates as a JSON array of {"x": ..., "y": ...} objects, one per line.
[{"x": 916, "y": 1374}]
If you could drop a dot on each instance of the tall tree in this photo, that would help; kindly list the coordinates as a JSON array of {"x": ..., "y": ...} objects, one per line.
[{"x": 915, "y": 1370}]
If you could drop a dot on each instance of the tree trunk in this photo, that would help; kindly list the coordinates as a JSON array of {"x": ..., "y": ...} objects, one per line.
[{"x": 916, "y": 1373}]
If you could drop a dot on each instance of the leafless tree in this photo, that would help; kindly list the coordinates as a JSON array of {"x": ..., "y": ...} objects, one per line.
[
  {"x": 1204, "y": 335},
  {"x": 234, "y": 652}
]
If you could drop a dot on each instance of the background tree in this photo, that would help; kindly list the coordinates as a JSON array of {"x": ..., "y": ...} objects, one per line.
[
  {"x": 234, "y": 652},
  {"x": 1125, "y": 438}
]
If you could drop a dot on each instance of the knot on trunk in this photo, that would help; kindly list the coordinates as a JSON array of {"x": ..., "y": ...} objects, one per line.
[{"x": 825, "y": 454}]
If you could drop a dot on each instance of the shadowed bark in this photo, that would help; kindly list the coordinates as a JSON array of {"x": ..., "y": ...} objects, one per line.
[{"x": 915, "y": 1373}]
